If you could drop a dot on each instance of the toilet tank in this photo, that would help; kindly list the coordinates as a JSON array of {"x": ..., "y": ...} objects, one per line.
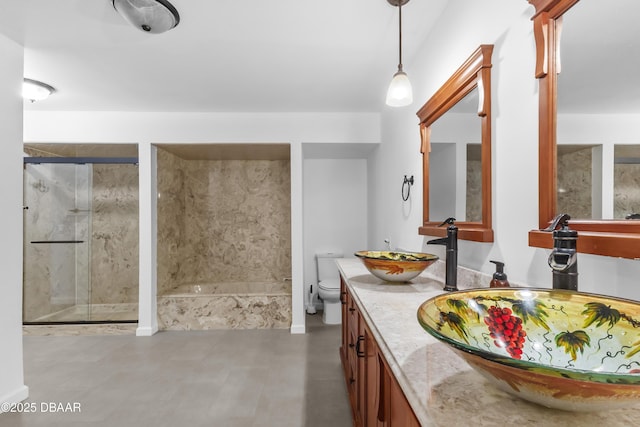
[{"x": 326, "y": 265}]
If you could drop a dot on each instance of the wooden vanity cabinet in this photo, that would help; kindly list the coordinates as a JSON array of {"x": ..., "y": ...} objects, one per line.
[
  {"x": 350, "y": 351},
  {"x": 352, "y": 355},
  {"x": 374, "y": 394}
]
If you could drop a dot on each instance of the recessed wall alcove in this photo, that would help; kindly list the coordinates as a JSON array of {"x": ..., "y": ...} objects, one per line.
[
  {"x": 224, "y": 236},
  {"x": 335, "y": 204}
]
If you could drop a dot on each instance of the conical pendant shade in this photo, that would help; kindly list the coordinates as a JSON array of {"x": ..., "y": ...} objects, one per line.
[{"x": 400, "y": 92}]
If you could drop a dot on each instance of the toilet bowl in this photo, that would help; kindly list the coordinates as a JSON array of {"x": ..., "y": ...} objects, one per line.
[
  {"x": 329, "y": 287},
  {"x": 329, "y": 292}
]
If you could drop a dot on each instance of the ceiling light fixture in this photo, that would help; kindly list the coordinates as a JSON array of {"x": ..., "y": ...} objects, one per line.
[
  {"x": 399, "y": 93},
  {"x": 34, "y": 90},
  {"x": 150, "y": 16}
]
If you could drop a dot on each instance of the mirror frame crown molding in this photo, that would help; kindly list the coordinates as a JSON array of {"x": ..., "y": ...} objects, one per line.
[
  {"x": 617, "y": 238},
  {"x": 474, "y": 72}
]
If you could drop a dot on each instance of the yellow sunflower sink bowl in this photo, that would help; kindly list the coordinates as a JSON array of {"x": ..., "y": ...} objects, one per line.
[
  {"x": 393, "y": 266},
  {"x": 562, "y": 349}
]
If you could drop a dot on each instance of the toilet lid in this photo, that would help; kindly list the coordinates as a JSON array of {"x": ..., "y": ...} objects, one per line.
[{"x": 330, "y": 284}]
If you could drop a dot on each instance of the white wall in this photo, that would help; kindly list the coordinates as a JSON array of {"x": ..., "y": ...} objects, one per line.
[
  {"x": 335, "y": 210},
  {"x": 598, "y": 129},
  {"x": 12, "y": 388},
  {"x": 399, "y": 154},
  {"x": 152, "y": 127},
  {"x": 159, "y": 127},
  {"x": 462, "y": 28}
]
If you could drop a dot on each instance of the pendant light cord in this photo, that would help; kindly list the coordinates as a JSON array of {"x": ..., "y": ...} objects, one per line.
[{"x": 400, "y": 35}]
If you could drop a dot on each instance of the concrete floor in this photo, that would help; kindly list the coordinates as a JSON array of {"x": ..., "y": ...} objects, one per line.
[{"x": 198, "y": 378}]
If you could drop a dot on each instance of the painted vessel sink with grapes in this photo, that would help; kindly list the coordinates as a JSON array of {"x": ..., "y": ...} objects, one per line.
[{"x": 562, "y": 349}]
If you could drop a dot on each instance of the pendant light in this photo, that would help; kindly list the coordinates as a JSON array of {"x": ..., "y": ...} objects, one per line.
[
  {"x": 151, "y": 16},
  {"x": 399, "y": 93}
]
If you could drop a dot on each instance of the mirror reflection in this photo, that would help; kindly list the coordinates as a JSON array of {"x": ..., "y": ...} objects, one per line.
[
  {"x": 579, "y": 189},
  {"x": 598, "y": 110},
  {"x": 455, "y": 123},
  {"x": 455, "y": 167},
  {"x": 626, "y": 182}
]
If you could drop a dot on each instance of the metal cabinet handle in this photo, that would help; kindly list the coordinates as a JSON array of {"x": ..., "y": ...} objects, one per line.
[
  {"x": 359, "y": 352},
  {"x": 343, "y": 293},
  {"x": 351, "y": 309}
]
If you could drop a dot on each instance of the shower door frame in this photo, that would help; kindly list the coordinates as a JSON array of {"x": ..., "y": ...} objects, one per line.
[{"x": 75, "y": 161}]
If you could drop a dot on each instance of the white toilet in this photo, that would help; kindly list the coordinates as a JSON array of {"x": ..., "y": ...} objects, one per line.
[{"x": 329, "y": 287}]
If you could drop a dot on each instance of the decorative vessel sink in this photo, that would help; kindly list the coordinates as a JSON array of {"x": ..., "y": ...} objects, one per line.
[
  {"x": 394, "y": 266},
  {"x": 562, "y": 349}
]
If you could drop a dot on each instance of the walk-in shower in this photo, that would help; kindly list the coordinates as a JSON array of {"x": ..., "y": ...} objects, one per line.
[
  {"x": 224, "y": 236},
  {"x": 80, "y": 238}
]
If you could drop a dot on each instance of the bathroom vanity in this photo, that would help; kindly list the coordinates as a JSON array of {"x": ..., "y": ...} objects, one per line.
[{"x": 399, "y": 375}]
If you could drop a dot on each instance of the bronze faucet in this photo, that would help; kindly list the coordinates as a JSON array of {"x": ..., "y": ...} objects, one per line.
[
  {"x": 451, "y": 242},
  {"x": 564, "y": 257}
]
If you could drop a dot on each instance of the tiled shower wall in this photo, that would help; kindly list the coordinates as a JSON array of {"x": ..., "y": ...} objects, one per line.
[
  {"x": 114, "y": 242},
  {"x": 222, "y": 221}
]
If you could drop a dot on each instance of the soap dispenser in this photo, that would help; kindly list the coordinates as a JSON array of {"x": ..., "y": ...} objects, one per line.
[{"x": 499, "y": 278}]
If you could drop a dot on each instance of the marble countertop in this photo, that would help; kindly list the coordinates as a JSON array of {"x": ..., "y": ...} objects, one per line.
[{"x": 441, "y": 388}]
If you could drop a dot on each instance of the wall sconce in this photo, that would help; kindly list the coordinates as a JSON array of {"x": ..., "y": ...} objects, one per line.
[
  {"x": 400, "y": 92},
  {"x": 150, "y": 16},
  {"x": 33, "y": 90},
  {"x": 407, "y": 183}
]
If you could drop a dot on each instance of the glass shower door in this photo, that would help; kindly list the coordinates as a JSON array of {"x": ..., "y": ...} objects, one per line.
[{"x": 57, "y": 222}]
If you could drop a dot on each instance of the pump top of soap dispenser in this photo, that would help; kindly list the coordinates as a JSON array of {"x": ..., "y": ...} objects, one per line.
[{"x": 499, "y": 277}]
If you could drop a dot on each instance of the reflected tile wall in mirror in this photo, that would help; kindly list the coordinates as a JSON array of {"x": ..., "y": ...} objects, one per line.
[
  {"x": 575, "y": 181},
  {"x": 626, "y": 189}
]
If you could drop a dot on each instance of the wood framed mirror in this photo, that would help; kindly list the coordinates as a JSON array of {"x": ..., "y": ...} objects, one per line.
[
  {"x": 471, "y": 82},
  {"x": 603, "y": 235}
]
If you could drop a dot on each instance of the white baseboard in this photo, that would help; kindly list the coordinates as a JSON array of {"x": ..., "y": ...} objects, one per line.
[
  {"x": 15, "y": 396},
  {"x": 298, "y": 329},
  {"x": 146, "y": 331}
]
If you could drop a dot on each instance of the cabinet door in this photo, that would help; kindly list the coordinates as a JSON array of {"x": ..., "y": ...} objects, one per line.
[
  {"x": 376, "y": 382},
  {"x": 352, "y": 373},
  {"x": 346, "y": 350},
  {"x": 360, "y": 352},
  {"x": 344, "y": 297},
  {"x": 401, "y": 414},
  {"x": 375, "y": 396},
  {"x": 388, "y": 406}
]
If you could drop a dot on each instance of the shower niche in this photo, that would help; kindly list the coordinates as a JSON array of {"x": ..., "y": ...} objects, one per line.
[{"x": 80, "y": 233}]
